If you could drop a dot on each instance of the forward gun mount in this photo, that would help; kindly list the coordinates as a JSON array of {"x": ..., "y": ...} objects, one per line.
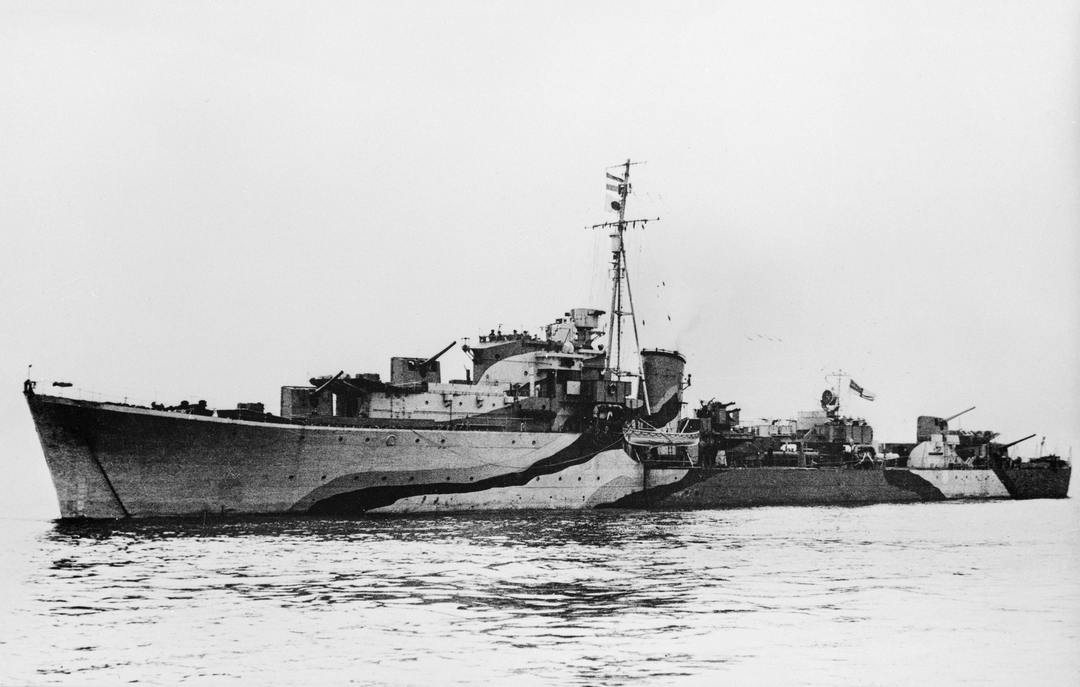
[{"x": 404, "y": 371}]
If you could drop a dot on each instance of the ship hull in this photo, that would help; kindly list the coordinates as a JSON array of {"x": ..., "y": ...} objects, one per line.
[
  {"x": 113, "y": 461},
  {"x": 783, "y": 486}
]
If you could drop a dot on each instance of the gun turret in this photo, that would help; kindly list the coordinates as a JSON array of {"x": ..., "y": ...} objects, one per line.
[
  {"x": 411, "y": 371},
  {"x": 928, "y": 425},
  {"x": 423, "y": 367}
]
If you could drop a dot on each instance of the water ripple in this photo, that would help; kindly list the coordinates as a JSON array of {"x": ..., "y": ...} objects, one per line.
[{"x": 881, "y": 595}]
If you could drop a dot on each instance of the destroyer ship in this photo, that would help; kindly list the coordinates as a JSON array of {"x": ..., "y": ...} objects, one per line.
[{"x": 547, "y": 421}]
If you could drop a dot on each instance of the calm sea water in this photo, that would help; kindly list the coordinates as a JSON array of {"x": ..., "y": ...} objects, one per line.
[{"x": 932, "y": 594}]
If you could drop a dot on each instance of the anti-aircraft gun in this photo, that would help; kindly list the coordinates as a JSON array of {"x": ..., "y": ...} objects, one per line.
[
  {"x": 720, "y": 430},
  {"x": 718, "y": 417}
]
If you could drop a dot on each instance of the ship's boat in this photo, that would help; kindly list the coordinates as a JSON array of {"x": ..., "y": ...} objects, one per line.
[
  {"x": 537, "y": 423},
  {"x": 658, "y": 438}
]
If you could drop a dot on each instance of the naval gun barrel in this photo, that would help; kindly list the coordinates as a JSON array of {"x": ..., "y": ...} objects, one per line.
[
  {"x": 1017, "y": 441},
  {"x": 437, "y": 355},
  {"x": 953, "y": 417},
  {"x": 327, "y": 383}
]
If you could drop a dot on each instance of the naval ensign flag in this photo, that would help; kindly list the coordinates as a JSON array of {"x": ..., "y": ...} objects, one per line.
[{"x": 863, "y": 393}]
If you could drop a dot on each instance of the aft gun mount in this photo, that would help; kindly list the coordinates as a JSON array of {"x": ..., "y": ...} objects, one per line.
[
  {"x": 1009, "y": 445},
  {"x": 929, "y": 425}
]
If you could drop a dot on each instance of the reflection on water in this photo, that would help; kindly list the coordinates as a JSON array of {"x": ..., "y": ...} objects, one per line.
[
  {"x": 878, "y": 595},
  {"x": 558, "y": 565}
]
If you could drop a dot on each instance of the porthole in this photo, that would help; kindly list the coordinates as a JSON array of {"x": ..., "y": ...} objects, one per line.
[
  {"x": 367, "y": 439},
  {"x": 418, "y": 440},
  {"x": 292, "y": 476},
  {"x": 391, "y": 440},
  {"x": 411, "y": 478},
  {"x": 341, "y": 438},
  {"x": 324, "y": 476}
]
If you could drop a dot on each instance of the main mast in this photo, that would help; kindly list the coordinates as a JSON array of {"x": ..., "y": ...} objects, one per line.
[
  {"x": 620, "y": 277},
  {"x": 618, "y": 269}
]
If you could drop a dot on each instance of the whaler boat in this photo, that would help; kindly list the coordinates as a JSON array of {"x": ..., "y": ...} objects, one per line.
[{"x": 539, "y": 423}]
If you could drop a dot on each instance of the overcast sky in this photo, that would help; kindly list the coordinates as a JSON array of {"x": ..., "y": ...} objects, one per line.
[{"x": 212, "y": 200}]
